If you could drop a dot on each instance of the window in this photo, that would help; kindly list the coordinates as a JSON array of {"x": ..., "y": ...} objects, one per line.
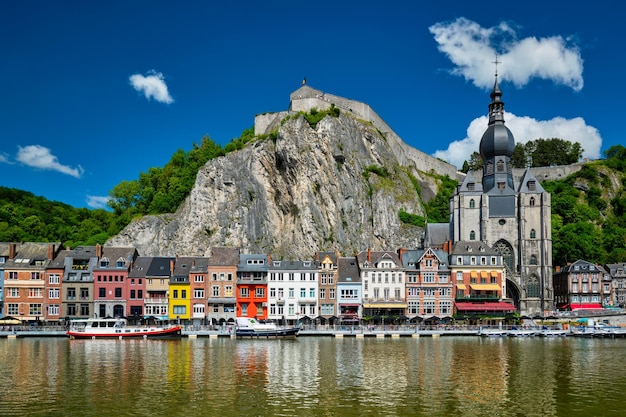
[
  {"x": 244, "y": 308},
  {"x": 35, "y": 275},
  {"x": 429, "y": 307},
  {"x": 140, "y": 294},
  {"x": 132, "y": 294},
  {"x": 13, "y": 292},
  {"x": 429, "y": 277},
  {"x": 472, "y": 204},
  {"x": 322, "y": 293},
  {"x": 215, "y": 291},
  {"x": 183, "y": 294},
  {"x": 84, "y": 310},
  {"x": 533, "y": 260},
  {"x": 244, "y": 292},
  {"x": 533, "y": 234},
  {"x": 71, "y": 293},
  {"x": 311, "y": 292},
  {"x": 180, "y": 310},
  {"x": 34, "y": 309},
  {"x": 332, "y": 294},
  {"x": 532, "y": 287},
  {"x": 84, "y": 293},
  {"x": 291, "y": 292},
  {"x": 118, "y": 292},
  {"x": 12, "y": 274},
  {"x": 54, "y": 279},
  {"x": 101, "y": 292},
  {"x": 532, "y": 201},
  {"x": 198, "y": 293},
  {"x": 228, "y": 291},
  {"x": 198, "y": 278},
  {"x": 13, "y": 309},
  {"x": 472, "y": 235},
  {"x": 459, "y": 276},
  {"x": 54, "y": 293},
  {"x": 53, "y": 310},
  {"x": 259, "y": 292},
  {"x": 302, "y": 292},
  {"x": 414, "y": 307}
]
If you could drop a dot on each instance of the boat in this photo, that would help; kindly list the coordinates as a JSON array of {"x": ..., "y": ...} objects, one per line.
[
  {"x": 253, "y": 328},
  {"x": 493, "y": 332},
  {"x": 515, "y": 332},
  {"x": 118, "y": 328},
  {"x": 547, "y": 332}
]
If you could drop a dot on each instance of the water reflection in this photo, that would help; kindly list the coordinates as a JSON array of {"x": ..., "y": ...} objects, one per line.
[{"x": 314, "y": 376}]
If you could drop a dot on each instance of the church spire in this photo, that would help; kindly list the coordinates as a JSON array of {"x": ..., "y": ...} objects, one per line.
[{"x": 496, "y": 107}]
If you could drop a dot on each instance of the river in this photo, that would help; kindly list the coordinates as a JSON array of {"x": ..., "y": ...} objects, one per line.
[{"x": 314, "y": 376}]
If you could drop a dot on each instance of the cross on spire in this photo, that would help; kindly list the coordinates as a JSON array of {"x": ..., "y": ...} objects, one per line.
[{"x": 496, "y": 62}]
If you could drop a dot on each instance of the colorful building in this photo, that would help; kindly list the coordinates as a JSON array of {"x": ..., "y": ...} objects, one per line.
[{"x": 252, "y": 274}]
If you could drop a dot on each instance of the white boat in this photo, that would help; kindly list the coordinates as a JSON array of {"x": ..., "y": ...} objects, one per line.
[
  {"x": 493, "y": 332},
  {"x": 552, "y": 332},
  {"x": 250, "y": 327},
  {"x": 118, "y": 328},
  {"x": 515, "y": 332}
]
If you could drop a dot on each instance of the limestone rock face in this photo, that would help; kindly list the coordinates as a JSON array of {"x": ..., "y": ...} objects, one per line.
[{"x": 339, "y": 185}]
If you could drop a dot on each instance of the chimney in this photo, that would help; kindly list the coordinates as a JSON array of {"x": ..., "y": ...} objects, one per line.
[
  {"x": 269, "y": 258},
  {"x": 558, "y": 269},
  {"x": 369, "y": 255},
  {"x": 11, "y": 251},
  {"x": 50, "y": 252},
  {"x": 98, "y": 250},
  {"x": 171, "y": 267}
]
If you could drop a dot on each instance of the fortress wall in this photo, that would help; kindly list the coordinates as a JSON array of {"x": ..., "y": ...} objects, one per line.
[
  {"x": 264, "y": 123},
  {"x": 307, "y": 98}
]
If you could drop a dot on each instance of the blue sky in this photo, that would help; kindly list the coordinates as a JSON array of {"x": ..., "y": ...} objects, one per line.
[{"x": 93, "y": 93}]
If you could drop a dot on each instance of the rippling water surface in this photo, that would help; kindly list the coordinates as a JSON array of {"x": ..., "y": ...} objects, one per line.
[{"x": 314, "y": 376}]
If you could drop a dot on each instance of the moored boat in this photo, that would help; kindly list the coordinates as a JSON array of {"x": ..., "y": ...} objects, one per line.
[
  {"x": 118, "y": 328},
  {"x": 250, "y": 327},
  {"x": 493, "y": 332},
  {"x": 515, "y": 332}
]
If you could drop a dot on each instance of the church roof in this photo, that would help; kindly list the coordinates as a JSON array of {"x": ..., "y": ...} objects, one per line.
[{"x": 529, "y": 184}]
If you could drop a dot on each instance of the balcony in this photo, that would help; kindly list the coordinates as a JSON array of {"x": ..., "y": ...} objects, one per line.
[{"x": 160, "y": 301}]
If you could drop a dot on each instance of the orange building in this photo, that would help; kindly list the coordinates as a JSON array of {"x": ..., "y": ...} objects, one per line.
[{"x": 252, "y": 275}]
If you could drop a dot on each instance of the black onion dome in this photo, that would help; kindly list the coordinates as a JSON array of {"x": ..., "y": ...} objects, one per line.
[{"x": 497, "y": 141}]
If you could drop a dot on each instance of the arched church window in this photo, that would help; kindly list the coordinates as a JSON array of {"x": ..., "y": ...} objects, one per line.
[
  {"x": 472, "y": 235},
  {"x": 533, "y": 234},
  {"x": 533, "y": 259},
  {"x": 506, "y": 250},
  {"x": 500, "y": 166},
  {"x": 532, "y": 201},
  {"x": 472, "y": 203},
  {"x": 489, "y": 168},
  {"x": 532, "y": 286}
]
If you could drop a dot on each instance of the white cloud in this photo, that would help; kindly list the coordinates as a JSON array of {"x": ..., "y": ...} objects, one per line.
[
  {"x": 472, "y": 49},
  {"x": 525, "y": 129},
  {"x": 37, "y": 156},
  {"x": 152, "y": 86},
  {"x": 4, "y": 158},
  {"x": 96, "y": 201}
]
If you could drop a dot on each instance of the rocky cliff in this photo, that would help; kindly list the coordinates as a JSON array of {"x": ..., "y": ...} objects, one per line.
[{"x": 337, "y": 185}]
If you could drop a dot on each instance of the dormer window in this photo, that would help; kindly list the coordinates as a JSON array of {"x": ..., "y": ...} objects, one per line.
[
  {"x": 532, "y": 185},
  {"x": 471, "y": 186},
  {"x": 104, "y": 262}
]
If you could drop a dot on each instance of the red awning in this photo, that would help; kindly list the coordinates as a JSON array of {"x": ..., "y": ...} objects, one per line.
[
  {"x": 350, "y": 304},
  {"x": 586, "y": 306},
  {"x": 496, "y": 306}
]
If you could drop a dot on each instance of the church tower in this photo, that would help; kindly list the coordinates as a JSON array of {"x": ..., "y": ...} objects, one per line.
[{"x": 509, "y": 211}]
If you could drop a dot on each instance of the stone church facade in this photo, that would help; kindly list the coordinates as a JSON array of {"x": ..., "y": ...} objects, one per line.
[{"x": 508, "y": 213}]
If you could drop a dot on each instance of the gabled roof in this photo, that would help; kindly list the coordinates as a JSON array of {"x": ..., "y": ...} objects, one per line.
[
  {"x": 292, "y": 265},
  {"x": 466, "y": 186},
  {"x": 374, "y": 257},
  {"x": 159, "y": 267},
  {"x": 527, "y": 178},
  {"x": 583, "y": 266},
  {"x": 140, "y": 267},
  {"x": 437, "y": 234}
]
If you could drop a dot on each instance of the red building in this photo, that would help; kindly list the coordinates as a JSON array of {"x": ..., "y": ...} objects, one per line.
[{"x": 115, "y": 294}]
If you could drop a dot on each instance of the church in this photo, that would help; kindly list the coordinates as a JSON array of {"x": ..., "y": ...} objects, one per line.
[{"x": 508, "y": 210}]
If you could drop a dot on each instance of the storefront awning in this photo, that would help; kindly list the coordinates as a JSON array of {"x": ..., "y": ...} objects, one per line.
[
  {"x": 495, "y": 306},
  {"x": 586, "y": 306},
  {"x": 350, "y": 304},
  {"x": 460, "y": 286},
  {"x": 483, "y": 274},
  {"x": 474, "y": 274},
  {"x": 494, "y": 274},
  {"x": 486, "y": 287}
]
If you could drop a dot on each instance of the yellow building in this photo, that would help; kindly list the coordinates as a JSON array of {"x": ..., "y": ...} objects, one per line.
[{"x": 179, "y": 296}]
